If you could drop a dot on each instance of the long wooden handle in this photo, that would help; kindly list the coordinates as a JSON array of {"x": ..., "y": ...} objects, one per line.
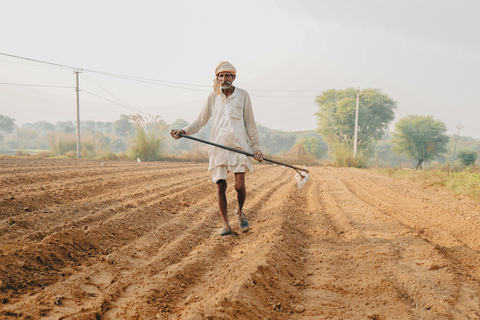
[{"x": 240, "y": 151}]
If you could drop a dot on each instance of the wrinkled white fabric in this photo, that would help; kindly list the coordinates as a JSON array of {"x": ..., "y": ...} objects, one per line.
[
  {"x": 221, "y": 172},
  {"x": 233, "y": 125}
]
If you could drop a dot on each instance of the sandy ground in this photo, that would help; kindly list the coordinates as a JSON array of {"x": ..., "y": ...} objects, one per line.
[{"x": 122, "y": 240}]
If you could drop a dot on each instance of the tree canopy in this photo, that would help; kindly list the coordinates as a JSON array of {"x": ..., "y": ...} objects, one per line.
[
  {"x": 467, "y": 157},
  {"x": 312, "y": 145},
  {"x": 420, "y": 138},
  {"x": 336, "y": 116},
  {"x": 123, "y": 126},
  {"x": 7, "y": 124}
]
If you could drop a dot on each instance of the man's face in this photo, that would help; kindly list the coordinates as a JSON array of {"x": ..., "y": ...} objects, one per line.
[{"x": 225, "y": 79}]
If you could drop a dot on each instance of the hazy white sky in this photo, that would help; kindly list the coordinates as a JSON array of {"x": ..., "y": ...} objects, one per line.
[{"x": 424, "y": 54}]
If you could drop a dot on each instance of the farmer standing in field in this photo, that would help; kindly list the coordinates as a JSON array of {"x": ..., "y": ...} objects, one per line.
[{"x": 233, "y": 125}]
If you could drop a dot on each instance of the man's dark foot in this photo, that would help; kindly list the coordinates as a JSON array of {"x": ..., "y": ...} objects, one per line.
[
  {"x": 224, "y": 231},
  {"x": 243, "y": 223}
]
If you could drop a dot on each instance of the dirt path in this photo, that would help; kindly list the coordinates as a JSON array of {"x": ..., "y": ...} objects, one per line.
[{"x": 122, "y": 240}]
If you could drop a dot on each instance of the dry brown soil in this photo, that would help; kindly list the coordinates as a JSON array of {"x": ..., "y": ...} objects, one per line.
[{"x": 120, "y": 240}]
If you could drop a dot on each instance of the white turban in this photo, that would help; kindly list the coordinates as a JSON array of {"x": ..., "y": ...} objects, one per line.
[{"x": 222, "y": 67}]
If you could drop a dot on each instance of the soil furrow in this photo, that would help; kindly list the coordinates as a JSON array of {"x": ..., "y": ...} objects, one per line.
[
  {"x": 138, "y": 241},
  {"x": 111, "y": 201}
]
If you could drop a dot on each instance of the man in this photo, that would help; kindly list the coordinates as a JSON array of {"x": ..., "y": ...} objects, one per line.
[{"x": 233, "y": 125}]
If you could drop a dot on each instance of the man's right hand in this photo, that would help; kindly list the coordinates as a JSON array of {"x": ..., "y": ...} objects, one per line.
[{"x": 175, "y": 133}]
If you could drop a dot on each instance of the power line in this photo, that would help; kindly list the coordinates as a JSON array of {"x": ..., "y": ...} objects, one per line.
[
  {"x": 134, "y": 78},
  {"x": 171, "y": 84},
  {"x": 114, "y": 102},
  {"x": 28, "y": 64},
  {"x": 155, "y": 82},
  {"x": 89, "y": 78},
  {"x": 39, "y": 61},
  {"x": 35, "y": 85}
]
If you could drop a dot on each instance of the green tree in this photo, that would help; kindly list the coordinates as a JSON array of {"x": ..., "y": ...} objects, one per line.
[
  {"x": 336, "y": 117},
  {"x": 467, "y": 157},
  {"x": 420, "y": 138},
  {"x": 7, "y": 124},
  {"x": 311, "y": 145}
]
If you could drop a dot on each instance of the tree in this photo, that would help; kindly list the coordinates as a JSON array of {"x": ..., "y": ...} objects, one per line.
[
  {"x": 123, "y": 126},
  {"x": 420, "y": 138},
  {"x": 41, "y": 126},
  {"x": 336, "y": 116},
  {"x": 7, "y": 124},
  {"x": 467, "y": 157},
  {"x": 107, "y": 127},
  {"x": 65, "y": 126},
  {"x": 311, "y": 146}
]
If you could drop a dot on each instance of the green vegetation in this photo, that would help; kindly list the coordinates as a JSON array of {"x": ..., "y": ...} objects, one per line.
[
  {"x": 466, "y": 182},
  {"x": 336, "y": 121},
  {"x": 467, "y": 157},
  {"x": 147, "y": 141},
  {"x": 7, "y": 124},
  {"x": 420, "y": 138},
  {"x": 342, "y": 153},
  {"x": 65, "y": 144}
]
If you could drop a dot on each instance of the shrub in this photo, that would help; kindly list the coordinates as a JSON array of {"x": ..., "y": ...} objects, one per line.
[
  {"x": 147, "y": 141},
  {"x": 91, "y": 144},
  {"x": 197, "y": 155},
  {"x": 343, "y": 155},
  {"x": 467, "y": 157},
  {"x": 108, "y": 156},
  {"x": 61, "y": 143}
]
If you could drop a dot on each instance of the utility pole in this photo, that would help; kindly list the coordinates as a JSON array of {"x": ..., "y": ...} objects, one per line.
[
  {"x": 356, "y": 126},
  {"x": 77, "y": 89},
  {"x": 459, "y": 126}
]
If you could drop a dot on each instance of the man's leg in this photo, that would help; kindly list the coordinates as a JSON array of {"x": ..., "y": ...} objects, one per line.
[
  {"x": 241, "y": 195},
  {"x": 222, "y": 202},
  {"x": 241, "y": 191}
]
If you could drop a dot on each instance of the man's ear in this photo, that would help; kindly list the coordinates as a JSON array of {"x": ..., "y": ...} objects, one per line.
[{"x": 234, "y": 76}]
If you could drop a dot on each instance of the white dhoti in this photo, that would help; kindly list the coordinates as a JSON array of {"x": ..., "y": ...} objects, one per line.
[{"x": 221, "y": 172}]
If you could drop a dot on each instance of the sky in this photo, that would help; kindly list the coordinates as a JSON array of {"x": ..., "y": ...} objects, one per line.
[{"x": 159, "y": 57}]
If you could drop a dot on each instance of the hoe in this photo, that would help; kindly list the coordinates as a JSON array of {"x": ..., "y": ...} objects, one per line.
[{"x": 302, "y": 173}]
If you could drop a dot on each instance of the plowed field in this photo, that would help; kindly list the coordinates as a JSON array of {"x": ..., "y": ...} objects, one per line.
[{"x": 120, "y": 240}]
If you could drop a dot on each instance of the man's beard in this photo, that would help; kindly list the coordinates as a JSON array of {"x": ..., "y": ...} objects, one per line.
[{"x": 226, "y": 85}]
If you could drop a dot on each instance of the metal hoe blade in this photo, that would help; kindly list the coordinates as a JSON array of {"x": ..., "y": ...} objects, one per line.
[{"x": 302, "y": 177}]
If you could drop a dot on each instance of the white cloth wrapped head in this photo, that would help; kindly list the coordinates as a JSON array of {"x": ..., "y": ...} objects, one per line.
[{"x": 222, "y": 67}]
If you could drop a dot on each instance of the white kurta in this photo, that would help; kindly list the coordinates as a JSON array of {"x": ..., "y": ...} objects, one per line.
[{"x": 233, "y": 125}]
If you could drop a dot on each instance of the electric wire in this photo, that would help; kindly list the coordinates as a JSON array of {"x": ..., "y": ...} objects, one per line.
[
  {"x": 35, "y": 85},
  {"x": 144, "y": 79},
  {"x": 39, "y": 61},
  {"x": 155, "y": 82},
  {"x": 165, "y": 83},
  {"x": 29, "y": 64},
  {"x": 114, "y": 102},
  {"x": 89, "y": 78}
]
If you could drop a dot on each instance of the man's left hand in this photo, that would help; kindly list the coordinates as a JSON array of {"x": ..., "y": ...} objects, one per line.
[{"x": 258, "y": 155}]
